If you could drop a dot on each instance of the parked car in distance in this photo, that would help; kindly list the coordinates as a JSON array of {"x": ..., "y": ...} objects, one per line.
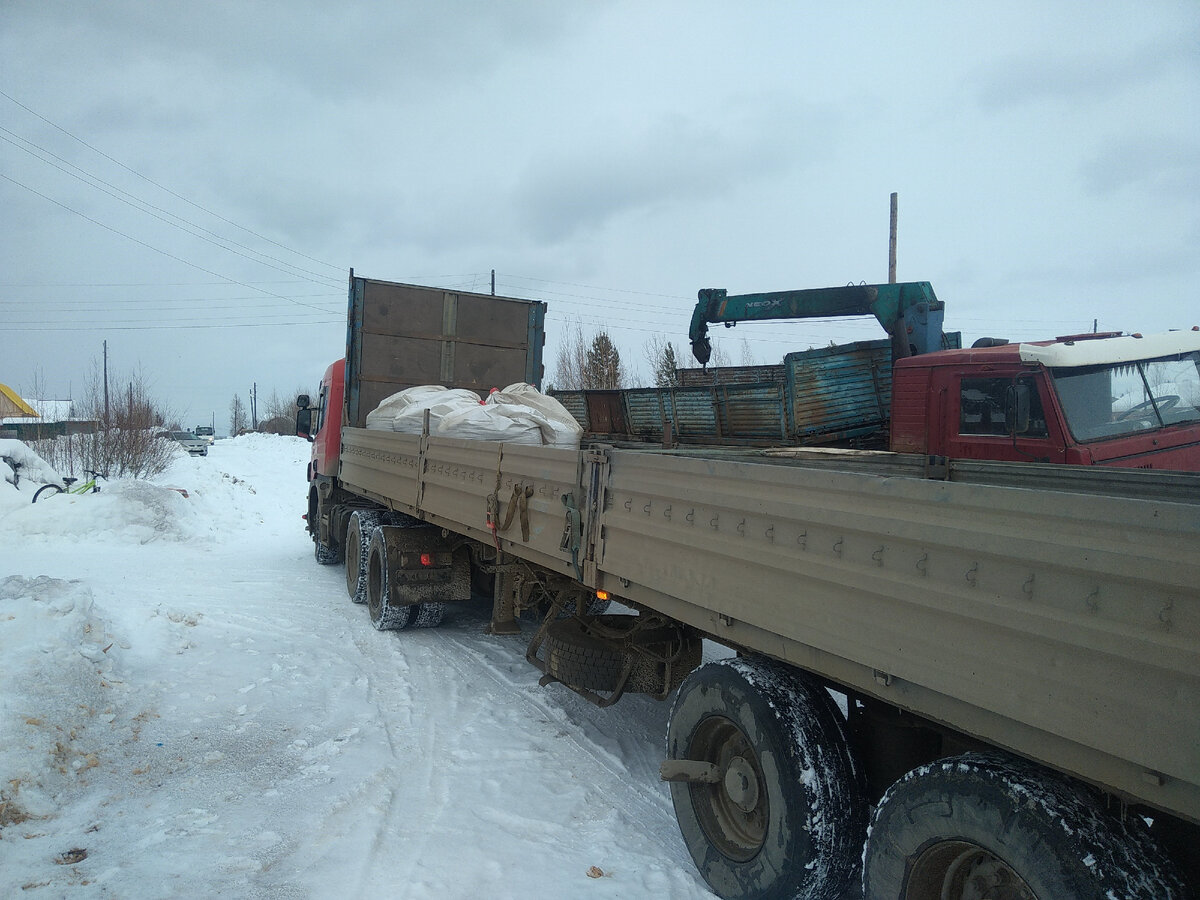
[{"x": 196, "y": 446}]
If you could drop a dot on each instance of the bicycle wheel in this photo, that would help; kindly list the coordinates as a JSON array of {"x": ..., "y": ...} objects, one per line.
[{"x": 48, "y": 490}]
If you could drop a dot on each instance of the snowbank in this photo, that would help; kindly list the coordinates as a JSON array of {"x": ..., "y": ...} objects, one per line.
[
  {"x": 191, "y": 707},
  {"x": 19, "y": 464},
  {"x": 62, "y": 687}
]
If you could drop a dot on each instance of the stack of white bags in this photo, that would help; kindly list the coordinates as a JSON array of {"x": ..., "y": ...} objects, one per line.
[{"x": 519, "y": 414}]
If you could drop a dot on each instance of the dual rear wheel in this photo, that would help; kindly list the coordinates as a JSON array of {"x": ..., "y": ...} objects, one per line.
[
  {"x": 771, "y": 804},
  {"x": 390, "y": 605}
]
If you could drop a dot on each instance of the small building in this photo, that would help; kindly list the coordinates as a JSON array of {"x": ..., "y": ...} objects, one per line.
[
  {"x": 32, "y": 420},
  {"x": 13, "y": 407}
]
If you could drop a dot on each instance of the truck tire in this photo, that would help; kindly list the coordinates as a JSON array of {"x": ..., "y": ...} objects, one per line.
[
  {"x": 989, "y": 825},
  {"x": 788, "y": 815},
  {"x": 325, "y": 554},
  {"x": 385, "y": 615},
  {"x": 384, "y": 612},
  {"x": 427, "y": 615},
  {"x": 579, "y": 659},
  {"x": 358, "y": 541}
]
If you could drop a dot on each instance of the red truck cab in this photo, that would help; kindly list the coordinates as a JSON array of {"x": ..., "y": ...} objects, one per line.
[
  {"x": 1108, "y": 399},
  {"x": 325, "y": 429}
]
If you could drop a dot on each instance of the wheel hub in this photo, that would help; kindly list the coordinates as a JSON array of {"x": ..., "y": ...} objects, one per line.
[
  {"x": 958, "y": 870},
  {"x": 741, "y": 784},
  {"x": 733, "y": 811}
]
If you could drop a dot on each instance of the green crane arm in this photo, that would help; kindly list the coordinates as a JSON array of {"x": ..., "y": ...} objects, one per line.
[{"x": 909, "y": 311}]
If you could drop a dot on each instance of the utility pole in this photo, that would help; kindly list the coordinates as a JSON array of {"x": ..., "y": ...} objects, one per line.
[
  {"x": 892, "y": 242},
  {"x": 106, "y": 418},
  {"x": 493, "y": 282},
  {"x": 254, "y": 406}
]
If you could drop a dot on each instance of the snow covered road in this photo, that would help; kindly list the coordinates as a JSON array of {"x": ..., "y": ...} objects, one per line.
[{"x": 190, "y": 706}]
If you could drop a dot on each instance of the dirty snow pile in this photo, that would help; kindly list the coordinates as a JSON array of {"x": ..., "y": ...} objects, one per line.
[
  {"x": 191, "y": 707},
  {"x": 17, "y": 461}
]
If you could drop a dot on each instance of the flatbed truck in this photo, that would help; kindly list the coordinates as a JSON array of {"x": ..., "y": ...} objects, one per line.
[{"x": 1017, "y": 645}]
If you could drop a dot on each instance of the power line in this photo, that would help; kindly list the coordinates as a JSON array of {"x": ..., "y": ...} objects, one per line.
[
  {"x": 151, "y": 247},
  {"x": 175, "y": 327},
  {"x": 164, "y": 187},
  {"x": 216, "y": 240}
]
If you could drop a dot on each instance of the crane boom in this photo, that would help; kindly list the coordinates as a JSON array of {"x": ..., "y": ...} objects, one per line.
[{"x": 909, "y": 311}]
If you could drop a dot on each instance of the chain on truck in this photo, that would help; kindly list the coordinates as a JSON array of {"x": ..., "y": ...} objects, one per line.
[{"x": 1006, "y": 601}]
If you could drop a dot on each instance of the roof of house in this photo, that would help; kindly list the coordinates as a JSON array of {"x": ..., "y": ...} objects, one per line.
[
  {"x": 47, "y": 410},
  {"x": 13, "y": 407}
]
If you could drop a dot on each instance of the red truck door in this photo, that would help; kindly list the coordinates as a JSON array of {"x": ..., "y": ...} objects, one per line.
[{"x": 979, "y": 419}]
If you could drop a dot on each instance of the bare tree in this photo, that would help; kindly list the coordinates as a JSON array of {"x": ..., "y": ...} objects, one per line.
[
  {"x": 747, "y": 354},
  {"x": 587, "y": 365},
  {"x": 572, "y": 358},
  {"x": 237, "y": 416},
  {"x": 127, "y": 445},
  {"x": 280, "y": 412},
  {"x": 664, "y": 364}
]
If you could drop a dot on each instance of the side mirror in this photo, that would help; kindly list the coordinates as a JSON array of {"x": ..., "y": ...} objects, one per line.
[
  {"x": 304, "y": 422},
  {"x": 303, "y": 402},
  {"x": 1016, "y": 408}
]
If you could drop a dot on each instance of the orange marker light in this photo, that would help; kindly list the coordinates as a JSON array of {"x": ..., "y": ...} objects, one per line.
[{"x": 601, "y": 595}]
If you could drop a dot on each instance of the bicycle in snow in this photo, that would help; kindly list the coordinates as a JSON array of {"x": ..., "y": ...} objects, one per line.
[{"x": 87, "y": 487}]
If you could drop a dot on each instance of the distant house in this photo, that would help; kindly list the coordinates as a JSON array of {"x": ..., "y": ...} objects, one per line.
[
  {"x": 13, "y": 407},
  {"x": 33, "y": 420}
]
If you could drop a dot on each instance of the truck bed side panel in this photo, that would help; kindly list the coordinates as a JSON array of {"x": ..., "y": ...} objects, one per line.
[
  {"x": 1053, "y": 624},
  {"x": 450, "y": 487},
  {"x": 1061, "y": 624}
]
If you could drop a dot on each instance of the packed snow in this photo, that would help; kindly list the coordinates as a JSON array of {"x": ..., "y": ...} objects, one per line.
[{"x": 191, "y": 706}]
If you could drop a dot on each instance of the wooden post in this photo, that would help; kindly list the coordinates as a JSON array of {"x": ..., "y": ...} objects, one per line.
[
  {"x": 892, "y": 243},
  {"x": 106, "y": 416}
]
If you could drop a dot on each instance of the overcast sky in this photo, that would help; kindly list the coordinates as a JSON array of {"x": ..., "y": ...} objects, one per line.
[{"x": 191, "y": 182}]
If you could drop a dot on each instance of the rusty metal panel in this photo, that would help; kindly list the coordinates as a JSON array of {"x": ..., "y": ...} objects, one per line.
[
  {"x": 839, "y": 389},
  {"x": 575, "y": 402},
  {"x": 740, "y": 414},
  {"x": 1064, "y": 626},
  {"x": 707, "y": 377},
  {"x": 753, "y": 412},
  {"x": 696, "y": 417},
  {"x": 648, "y": 411},
  {"x": 606, "y": 412}
]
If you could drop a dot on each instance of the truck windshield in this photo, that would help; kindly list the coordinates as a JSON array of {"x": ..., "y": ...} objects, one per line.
[{"x": 1125, "y": 398}]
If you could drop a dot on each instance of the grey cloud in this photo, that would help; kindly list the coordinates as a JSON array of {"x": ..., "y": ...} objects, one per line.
[
  {"x": 678, "y": 158},
  {"x": 1080, "y": 76},
  {"x": 329, "y": 48},
  {"x": 1164, "y": 165}
]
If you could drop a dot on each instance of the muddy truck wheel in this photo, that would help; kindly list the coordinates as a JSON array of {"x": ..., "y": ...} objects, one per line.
[
  {"x": 769, "y": 800},
  {"x": 987, "y": 825},
  {"x": 358, "y": 541}
]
